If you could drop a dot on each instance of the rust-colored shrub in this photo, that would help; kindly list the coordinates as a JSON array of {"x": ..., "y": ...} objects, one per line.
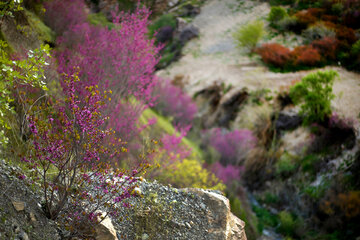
[
  {"x": 304, "y": 18},
  {"x": 342, "y": 204},
  {"x": 330, "y": 18},
  {"x": 306, "y": 56},
  {"x": 274, "y": 54},
  {"x": 329, "y": 24},
  {"x": 316, "y": 12},
  {"x": 346, "y": 36},
  {"x": 350, "y": 203},
  {"x": 326, "y": 47},
  {"x": 309, "y": 16}
]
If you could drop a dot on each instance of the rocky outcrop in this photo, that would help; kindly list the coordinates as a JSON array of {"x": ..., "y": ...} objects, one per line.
[
  {"x": 287, "y": 120},
  {"x": 188, "y": 33},
  {"x": 168, "y": 213},
  {"x": 221, "y": 217},
  {"x": 219, "y": 109},
  {"x": 105, "y": 230},
  {"x": 158, "y": 212}
]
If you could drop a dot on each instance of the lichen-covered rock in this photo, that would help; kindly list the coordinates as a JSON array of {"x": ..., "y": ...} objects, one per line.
[
  {"x": 219, "y": 109},
  {"x": 168, "y": 213},
  {"x": 105, "y": 230},
  {"x": 224, "y": 224}
]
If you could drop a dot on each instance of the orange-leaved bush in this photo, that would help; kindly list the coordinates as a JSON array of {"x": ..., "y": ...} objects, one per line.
[
  {"x": 327, "y": 47},
  {"x": 274, "y": 54},
  {"x": 306, "y": 56}
]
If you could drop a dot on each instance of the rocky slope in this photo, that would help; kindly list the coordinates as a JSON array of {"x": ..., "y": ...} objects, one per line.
[
  {"x": 213, "y": 57},
  {"x": 159, "y": 212}
]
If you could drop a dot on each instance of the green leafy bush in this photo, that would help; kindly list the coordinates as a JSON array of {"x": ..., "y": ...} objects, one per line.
[
  {"x": 7, "y": 8},
  {"x": 162, "y": 21},
  {"x": 316, "y": 32},
  {"x": 99, "y": 19},
  {"x": 289, "y": 24},
  {"x": 314, "y": 95},
  {"x": 265, "y": 218},
  {"x": 14, "y": 73},
  {"x": 308, "y": 163},
  {"x": 276, "y": 14},
  {"x": 337, "y": 8},
  {"x": 355, "y": 49},
  {"x": 285, "y": 165},
  {"x": 249, "y": 35},
  {"x": 288, "y": 224}
]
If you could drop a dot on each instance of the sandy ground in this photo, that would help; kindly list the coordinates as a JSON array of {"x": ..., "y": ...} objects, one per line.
[{"x": 214, "y": 57}]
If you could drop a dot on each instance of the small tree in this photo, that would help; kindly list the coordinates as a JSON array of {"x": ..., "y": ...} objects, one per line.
[
  {"x": 314, "y": 93},
  {"x": 69, "y": 157},
  {"x": 122, "y": 59},
  {"x": 249, "y": 35}
]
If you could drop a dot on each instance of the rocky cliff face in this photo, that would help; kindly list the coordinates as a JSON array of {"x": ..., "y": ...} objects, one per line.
[{"x": 159, "y": 212}]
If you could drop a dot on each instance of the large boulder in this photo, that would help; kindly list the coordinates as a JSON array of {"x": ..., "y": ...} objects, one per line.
[
  {"x": 287, "y": 120},
  {"x": 165, "y": 34},
  {"x": 188, "y": 33},
  {"x": 218, "y": 109},
  {"x": 208, "y": 100},
  {"x": 168, "y": 213},
  {"x": 227, "y": 108},
  {"x": 105, "y": 230},
  {"x": 224, "y": 224}
]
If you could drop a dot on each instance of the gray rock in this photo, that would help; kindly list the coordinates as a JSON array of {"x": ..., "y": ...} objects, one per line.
[
  {"x": 287, "y": 120},
  {"x": 169, "y": 213},
  {"x": 144, "y": 236},
  {"x": 23, "y": 236},
  {"x": 188, "y": 33},
  {"x": 18, "y": 205},
  {"x": 165, "y": 34},
  {"x": 105, "y": 230}
]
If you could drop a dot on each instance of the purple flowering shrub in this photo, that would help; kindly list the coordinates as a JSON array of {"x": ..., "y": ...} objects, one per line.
[
  {"x": 70, "y": 158},
  {"x": 172, "y": 144},
  {"x": 227, "y": 174},
  {"x": 122, "y": 59},
  {"x": 233, "y": 146},
  {"x": 60, "y": 15},
  {"x": 174, "y": 102}
]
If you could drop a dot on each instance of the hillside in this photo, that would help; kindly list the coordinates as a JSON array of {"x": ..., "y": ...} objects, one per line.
[{"x": 187, "y": 119}]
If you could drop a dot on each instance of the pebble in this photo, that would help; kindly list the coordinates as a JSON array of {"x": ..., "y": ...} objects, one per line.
[
  {"x": 23, "y": 236},
  {"x": 18, "y": 205},
  {"x": 144, "y": 236}
]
